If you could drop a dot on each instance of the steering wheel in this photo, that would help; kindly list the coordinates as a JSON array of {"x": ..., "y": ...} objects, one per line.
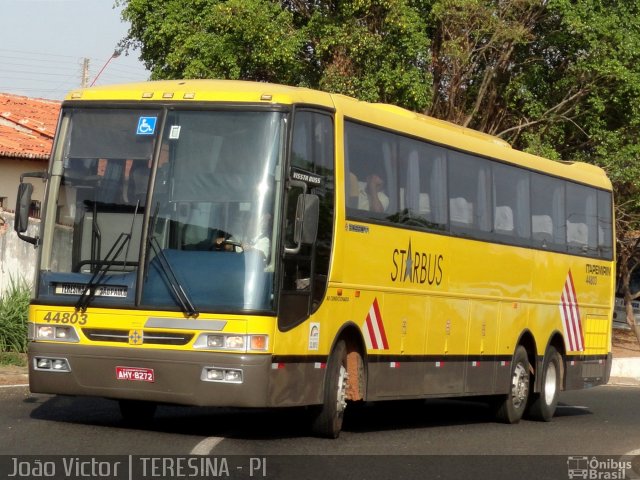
[
  {"x": 221, "y": 244},
  {"x": 232, "y": 243}
]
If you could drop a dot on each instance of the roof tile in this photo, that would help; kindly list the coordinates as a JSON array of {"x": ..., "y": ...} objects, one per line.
[{"x": 27, "y": 126}]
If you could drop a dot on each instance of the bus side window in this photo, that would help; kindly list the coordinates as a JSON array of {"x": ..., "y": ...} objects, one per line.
[
  {"x": 469, "y": 194},
  {"x": 582, "y": 219},
  {"x": 422, "y": 184},
  {"x": 511, "y": 203},
  {"x": 605, "y": 225},
  {"x": 548, "y": 219},
  {"x": 370, "y": 185}
]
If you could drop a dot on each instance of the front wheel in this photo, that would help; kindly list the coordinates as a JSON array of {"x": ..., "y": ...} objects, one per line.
[
  {"x": 328, "y": 418},
  {"x": 543, "y": 405},
  {"x": 512, "y": 406}
]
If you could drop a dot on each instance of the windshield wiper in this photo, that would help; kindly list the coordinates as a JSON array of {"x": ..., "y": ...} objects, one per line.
[
  {"x": 133, "y": 222},
  {"x": 89, "y": 291},
  {"x": 165, "y": 267},
  {"x": 90, "y": 288}
]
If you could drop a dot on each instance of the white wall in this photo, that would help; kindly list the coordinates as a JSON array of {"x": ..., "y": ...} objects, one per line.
[
  {"x": 18, "y": 258},
  {"x": 11, "y": 169}
]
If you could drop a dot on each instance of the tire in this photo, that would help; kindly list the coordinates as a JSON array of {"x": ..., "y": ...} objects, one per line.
[
  {"x": 327, "y": 421},
  {"x": 512, "y": 406},
  {"x": 137, "y": 412},
  {"x": 543, "y": 405}
]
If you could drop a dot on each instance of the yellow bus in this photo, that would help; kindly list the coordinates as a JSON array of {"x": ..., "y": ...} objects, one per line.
[{"x": 223, "y": 243}]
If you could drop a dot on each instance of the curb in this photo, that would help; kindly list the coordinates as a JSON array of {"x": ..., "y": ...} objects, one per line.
[{"x": 625, "y": 371}]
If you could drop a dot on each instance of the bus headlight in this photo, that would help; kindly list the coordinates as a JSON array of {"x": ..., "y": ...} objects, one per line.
[
  {"x": 56, "y": 332},
  {"x": 224, "y": 375},
  {"x": 51, "y": 364},
  {"x": 215, "y": 341},
  {"x": 232, "y": 342}
]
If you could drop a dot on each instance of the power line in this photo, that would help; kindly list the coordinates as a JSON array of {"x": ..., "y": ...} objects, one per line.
[
  {"x": 23, "y": 71},
  {"x": 38, "y": 73},
  {"x": 48, "y": 55}
]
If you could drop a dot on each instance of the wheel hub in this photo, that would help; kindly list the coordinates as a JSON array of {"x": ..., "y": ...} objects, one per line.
[
  {"x": 550, "y": 384},
  {"x": 342, "y": 389},
  {"x": 520, "y": 385}
]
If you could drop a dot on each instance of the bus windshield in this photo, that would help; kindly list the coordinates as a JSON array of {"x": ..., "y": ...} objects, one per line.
[{"x": 188, "y": 196}]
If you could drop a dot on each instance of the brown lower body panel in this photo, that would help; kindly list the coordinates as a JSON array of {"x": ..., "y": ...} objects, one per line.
[
  {"x": 587, "y": 371},
  {"x": 177, "y": 375},
  {"x": 292, "y": 381}
]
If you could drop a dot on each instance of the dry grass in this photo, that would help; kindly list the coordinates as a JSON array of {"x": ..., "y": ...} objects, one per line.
[{"x": 625, "y": 344}]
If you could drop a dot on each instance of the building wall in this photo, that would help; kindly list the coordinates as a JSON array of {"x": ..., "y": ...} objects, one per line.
[
  {"x": 18, "y": 259},
  {"x": 11, "y": 169}
]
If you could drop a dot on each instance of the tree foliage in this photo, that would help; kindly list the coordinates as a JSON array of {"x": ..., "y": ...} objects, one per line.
[
  {"x": 559, "y": 78},
  {"x": 376, "y": 50}
]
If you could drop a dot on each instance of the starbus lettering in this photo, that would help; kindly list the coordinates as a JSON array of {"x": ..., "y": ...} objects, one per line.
[{"x": 416, "y": 267}]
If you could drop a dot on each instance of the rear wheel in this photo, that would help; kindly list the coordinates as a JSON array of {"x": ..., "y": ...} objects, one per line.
[
  {"x": 328, "y": 418},
  {"x": 543, "y": 405},
  {"x": 511, "y": 407}
]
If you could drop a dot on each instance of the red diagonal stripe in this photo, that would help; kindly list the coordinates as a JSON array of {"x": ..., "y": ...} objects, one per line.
[
  {"x": 372, "y": 334},
  {"x": 577, "y": 322},
  {"x": 383, "y": 334},
  {"x": 568, "y": 324}
]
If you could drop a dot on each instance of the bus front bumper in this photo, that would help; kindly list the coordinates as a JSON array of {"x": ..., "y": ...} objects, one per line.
[{"x": 152, "y": 375}]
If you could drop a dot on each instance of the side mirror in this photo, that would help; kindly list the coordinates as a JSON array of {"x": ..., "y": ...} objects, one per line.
[
  {"x": 310, "y": 204},
  {"x": 306, "y": 222},
  {"x": 23, "y": 203}
]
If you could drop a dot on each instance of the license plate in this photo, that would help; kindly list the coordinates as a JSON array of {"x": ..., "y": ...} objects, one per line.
[{"x": 135, "y": 374}]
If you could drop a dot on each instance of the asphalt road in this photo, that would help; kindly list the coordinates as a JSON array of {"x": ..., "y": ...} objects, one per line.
[{"x": 410, "y": 439}]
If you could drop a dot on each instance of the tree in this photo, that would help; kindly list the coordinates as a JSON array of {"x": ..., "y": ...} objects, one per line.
[
  {"x": 477, "y": 53},
  {"x": 627, "y": 226},
  {"x": 236, "y": 39},
  {"x": 376, "y": 50}
]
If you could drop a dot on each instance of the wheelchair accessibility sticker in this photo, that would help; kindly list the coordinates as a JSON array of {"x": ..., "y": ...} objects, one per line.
[{"x": 146, "y": 125}]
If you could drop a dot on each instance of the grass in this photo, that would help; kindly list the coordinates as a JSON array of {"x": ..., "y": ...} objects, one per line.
[
  {"x": 14, "y": 306},
  {"x": 13, "y": 359}
]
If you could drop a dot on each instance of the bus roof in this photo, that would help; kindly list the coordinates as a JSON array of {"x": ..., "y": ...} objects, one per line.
[
  {"x": 205, "y": 91},
  {"x": 386, "y": 116}
]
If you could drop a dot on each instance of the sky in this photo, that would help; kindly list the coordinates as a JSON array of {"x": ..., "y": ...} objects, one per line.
[{"x": 43, "y": 44}]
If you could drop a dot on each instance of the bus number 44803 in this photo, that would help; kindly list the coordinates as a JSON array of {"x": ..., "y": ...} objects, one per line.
[{"x": 66, "y": 317}]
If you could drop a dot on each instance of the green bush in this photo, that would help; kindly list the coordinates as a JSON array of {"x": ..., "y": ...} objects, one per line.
[{"x": 14, "y": 306}]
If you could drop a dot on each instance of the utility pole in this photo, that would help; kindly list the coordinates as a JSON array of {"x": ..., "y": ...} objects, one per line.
[{"x": 84, "y": 83}]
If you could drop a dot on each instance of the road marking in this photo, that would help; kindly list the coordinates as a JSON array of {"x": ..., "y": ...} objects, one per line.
[
  {"x": 206, "y": 446},
  {"x": 15, "y": 386}
]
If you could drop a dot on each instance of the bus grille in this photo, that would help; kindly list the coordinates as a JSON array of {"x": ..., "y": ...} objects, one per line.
[{"x": 149, "y": 338}]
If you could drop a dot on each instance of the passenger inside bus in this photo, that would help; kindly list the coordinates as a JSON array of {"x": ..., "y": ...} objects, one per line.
[{"x": 371, "y": 196}]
